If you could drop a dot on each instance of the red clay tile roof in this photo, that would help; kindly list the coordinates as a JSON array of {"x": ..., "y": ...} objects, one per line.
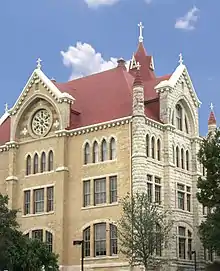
[
  {"x": 5, "y": 131},
  {"x": 212, "y": 119}
]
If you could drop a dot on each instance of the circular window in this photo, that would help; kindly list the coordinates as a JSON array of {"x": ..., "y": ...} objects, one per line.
[{"x": 41, "y": 122}]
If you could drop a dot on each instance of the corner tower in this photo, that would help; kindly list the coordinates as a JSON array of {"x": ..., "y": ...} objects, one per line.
[{"x": 139, "y": 157}]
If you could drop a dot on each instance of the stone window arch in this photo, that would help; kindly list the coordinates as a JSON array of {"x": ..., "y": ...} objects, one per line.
[
  {"x": 86, "y": 153},
  {"x": 43, "y": 162},
  {"x": 36, "y": 164},
  {"x": 153, "y": 147},
  {"x": 95, "y": 152},
  {"x": 158, "y": 150},
  {"x": 50, "y": 161},
  {"x": 28, "y": 165},
  {"x": 104, "y": 150},
  {"x": 113, "y": 151},
  {"x": 147, "y": 145}
]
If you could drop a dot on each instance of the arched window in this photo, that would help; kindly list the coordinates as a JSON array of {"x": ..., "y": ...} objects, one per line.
[
  {"x": 113, "y": 240},
  {"x": 152, "y": 147},
  {"x": 112, "y": 149},
  {"x": 147, "y": 145},
  {"x": 49, "y": 240},
  {"x": 104, "y": 151},
  {"x": 95, "y": 152},
  {"x": 186, "y": 125},
  {"x": 43, "y": 162},
  {"x": 86, "y": 154},
  {"x": 177, "y": 156},
  {"x": 36, "y": 163},
  {"x": 50, "y": 161},
  {"x": 86, "y": 238},
  {"x": 173, "y": 154},
  {"x": 187, "y": 160},
  {"x": 158, "y": 150},
  {"x": 182, "y": 158},
  {"x": 28, "y": 165},
  {"x": 179, "y": 117}
]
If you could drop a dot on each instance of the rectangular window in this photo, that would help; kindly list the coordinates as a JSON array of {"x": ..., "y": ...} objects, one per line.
[
  {"x": 27, "y": 202},
  {"x": 37, "y": 234},
  {"x": 100, "y": 239},
  {"x": 50, "y": 196},
  {"x": 113, "y": 189},
  {"x": 49, "y": 240},
  {"x": 189, "y": 245},
  {"x": 180, "y": 200},
  {"x": 150, "y": 191},
  {"x": 182, "y": 243},
  {"x": 158, "y": 241},
  {"x": 158, "y": 194},
  {"x": 188, "y": 199},
  {"x": 100, "y": 191},
  {"x": 113, "y": 240},
  {"x": 86, "y": 193},
  {"x": 38, "y": 201}
]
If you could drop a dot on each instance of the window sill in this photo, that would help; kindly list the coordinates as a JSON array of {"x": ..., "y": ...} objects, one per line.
[
  {"x": 101, "y": 258},
  {"x": 100, "y": 206},
  {"x": 100, "y": 163},
  {"x": 39, "y": 173},
  {"x": 183, "y": 211},
  {"x": 38, "y": 214}
]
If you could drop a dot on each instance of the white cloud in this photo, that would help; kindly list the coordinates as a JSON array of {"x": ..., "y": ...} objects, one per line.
[
  {"x": 97, "y": 3},
  {"x": 84, "y": 60},
  {"x": 187, "y": 22}
]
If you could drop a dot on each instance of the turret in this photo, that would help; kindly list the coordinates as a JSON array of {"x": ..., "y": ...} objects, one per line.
[
  {"x": 139, "y": 158},
  {"x": 212, "y": 120}
]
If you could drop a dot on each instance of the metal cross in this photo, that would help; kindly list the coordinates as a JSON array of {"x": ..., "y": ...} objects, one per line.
[
  {"x": 138, "y": 66},
  {"x": 39, "y": 63},
  {"x": 211, "y": 106},
  {"x": 181, "y": 59},
  {"x": 141, "y": 38}
]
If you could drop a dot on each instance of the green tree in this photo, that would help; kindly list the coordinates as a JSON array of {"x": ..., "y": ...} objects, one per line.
[
  {"x": 209, "y": 190},
  {"x": 143, "y": 231},
  {"x": 18, "y": 252}
]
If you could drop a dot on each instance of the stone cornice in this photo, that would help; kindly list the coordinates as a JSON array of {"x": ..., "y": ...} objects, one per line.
[
  {"x": 9, "y": 145},
  {"x": 11, "y": 178}
]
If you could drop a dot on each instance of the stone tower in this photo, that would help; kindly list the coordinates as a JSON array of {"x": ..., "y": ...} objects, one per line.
[{"x": 138, "y": 144}]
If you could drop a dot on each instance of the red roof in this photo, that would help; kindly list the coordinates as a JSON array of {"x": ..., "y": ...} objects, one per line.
[
  {"x": 107, "y": 95},
  {"x": 212, "y": 119}
]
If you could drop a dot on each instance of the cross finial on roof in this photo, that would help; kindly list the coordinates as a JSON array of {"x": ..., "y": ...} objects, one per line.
[
  {"x": 39, "y": 63},
  {"x": 211, "y": 106},
  {"x": 6, "y": 107},
  {"x": 141, "y": 38},
  {"x": 138, "y": 66},
  {"x": 180, "y": 59}
]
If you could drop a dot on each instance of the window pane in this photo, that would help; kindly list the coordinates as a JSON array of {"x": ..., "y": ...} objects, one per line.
[
  {"x": 153, "y": 147},
  {"x": 158, "y": 194},
  {"x": 39, "y": 201},
  {"x": 27, "y": 202},
  {"x": 87, "y": 154},
  {"x": 28, "y": 165},
  {"x": 86, "y": 193},
  {"x": 86, "y": 238},
  {"x": 113, "y": 189},
  {"x": 35, "y": 163},
  {"x": 50, "y": 196},
  {"x": 37, "y": 234},
  {"x": 181, "y": 200},
  {"x": 100, "y": 239},
  {"x": 49, "y": 240},
  {"x": 104, "y": 153},
  {"x": 50, "y": 161},
  {"x": 150, "y": 191},
  {"x": 182, "y": 248},
  {"x": 43, "y": 162},
  {"x": 113, "y": 240},
  {"x": 95, "y": 152},
  {"x": 100, "y": 191},
  {"x": 112, "y": 149},
  {"x": 188, "y": 197}
]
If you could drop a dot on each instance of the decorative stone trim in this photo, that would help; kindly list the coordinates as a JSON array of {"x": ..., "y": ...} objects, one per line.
[
  {"x": 11, "y": 178},
  {"x": 154, "y": 124},
  {"x": 39, "y": 77},
  {"x": 59, "y": 169},
  {"x": 12, "y": 145},
  {"x": 4, "y": 148},
  {"x": 94, "y": 128}
]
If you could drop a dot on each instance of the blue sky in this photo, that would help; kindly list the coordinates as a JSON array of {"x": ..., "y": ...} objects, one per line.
[{"x": 50, "y": 29}]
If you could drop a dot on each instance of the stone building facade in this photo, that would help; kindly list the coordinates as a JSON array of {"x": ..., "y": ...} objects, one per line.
[{"x": 70, "y": 151}]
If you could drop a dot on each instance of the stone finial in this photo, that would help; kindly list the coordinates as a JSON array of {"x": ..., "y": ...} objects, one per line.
[
  {"x": 180, "y": 59},
  {"x": 39, "y": 63},
  {"x": 141, "y": 27}
]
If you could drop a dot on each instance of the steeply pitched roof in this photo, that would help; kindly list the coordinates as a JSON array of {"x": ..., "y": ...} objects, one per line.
[{"x": 212, "y": 119}]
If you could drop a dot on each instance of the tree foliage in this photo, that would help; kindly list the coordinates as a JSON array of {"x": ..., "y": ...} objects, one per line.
[
  {"x": 209, "y": 190},
  {"x": 18, "y": 252},
  {"x": 143, "y": 231}
]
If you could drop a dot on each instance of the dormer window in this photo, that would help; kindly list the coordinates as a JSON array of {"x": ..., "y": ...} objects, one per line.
[{"x": 179, "y": 117}]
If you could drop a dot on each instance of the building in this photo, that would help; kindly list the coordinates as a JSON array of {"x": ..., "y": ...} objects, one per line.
[{"x": 70, "y": 150}]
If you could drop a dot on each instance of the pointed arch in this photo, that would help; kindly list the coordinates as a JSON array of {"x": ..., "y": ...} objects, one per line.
[
  {"x": 95, "y": 152},
  {"x": 177, "y": 156},
  {"x": 147, "y": 145},
  {"x": 104, "y": 150},
  {"x": 43, "y": 162},
  {"x": 36, "y": 164},
  {"x": 86, "y": 153},
  {"x": 153, "y": 147},
  {"x": 28, "y": 165},
  {"x": 50, "y": 161},
  {"x": 158, "y": 150},
  {"x": 182, "y": 159},
  {"x": 113, "y": 151}
]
